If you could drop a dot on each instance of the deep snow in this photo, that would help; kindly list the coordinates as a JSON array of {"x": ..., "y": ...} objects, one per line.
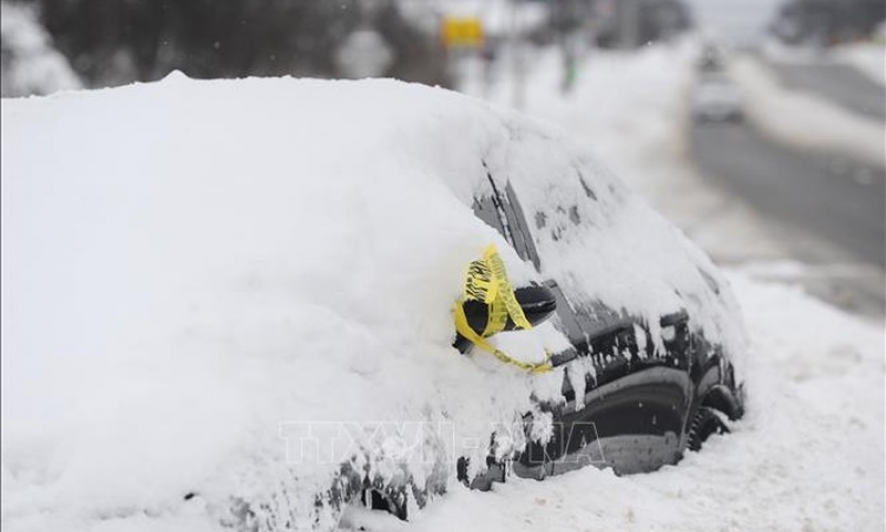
[
  {"x": 808, "y": 455},
  {"x": 805, "y": 120},
  {"x": 191, "y": 267},
  {"x": 869, "y": 58}
]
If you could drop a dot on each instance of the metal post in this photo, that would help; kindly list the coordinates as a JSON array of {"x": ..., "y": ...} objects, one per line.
[
  {"x": 629, "y": 23},
  {"x": 517, "y": 52}
]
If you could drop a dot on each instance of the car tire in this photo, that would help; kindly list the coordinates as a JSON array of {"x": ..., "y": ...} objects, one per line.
[
  {"x": 393, "y": 501},
  {"x": 707, "y": 421}
]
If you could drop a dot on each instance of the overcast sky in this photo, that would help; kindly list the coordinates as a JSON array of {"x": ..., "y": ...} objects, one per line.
[{"x": 735, "y": 20}]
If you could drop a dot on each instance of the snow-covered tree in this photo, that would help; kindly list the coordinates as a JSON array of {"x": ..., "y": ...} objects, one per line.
[
  {"x": 28, "y": 60},
  {"x": 110, "y": 42}
]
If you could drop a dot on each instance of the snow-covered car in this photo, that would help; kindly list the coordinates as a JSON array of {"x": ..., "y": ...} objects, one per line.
[
  {"x": 233, "y": 304},
  {"x": 717, "y": 99}
]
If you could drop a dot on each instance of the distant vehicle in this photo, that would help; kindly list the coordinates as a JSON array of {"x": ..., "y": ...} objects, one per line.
[
  {"x": 717, "y": 99},
  {"x": 711, "y": 59}
]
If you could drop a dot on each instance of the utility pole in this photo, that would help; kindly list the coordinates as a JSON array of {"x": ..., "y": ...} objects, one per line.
[
  {"x": 517, "y": 58},
  {"x": 629, "y": 23}
]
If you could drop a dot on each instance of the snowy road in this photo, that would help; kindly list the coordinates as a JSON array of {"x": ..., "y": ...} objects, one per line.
[
  {"x": 835, "y": 197},
  {"x": 792, "y": 163},
  {"x": 841, "y": 84}
]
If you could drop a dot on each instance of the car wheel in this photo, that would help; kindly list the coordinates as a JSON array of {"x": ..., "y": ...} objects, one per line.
[
  {"x": 393, "y": 501},
  {"x": 542, "y": 472},
  {"x": 707, "y": 421}
]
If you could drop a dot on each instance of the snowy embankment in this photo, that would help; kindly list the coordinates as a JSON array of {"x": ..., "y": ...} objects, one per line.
[
  {"x": 803, "y": 120},
  {"x": 867, "y": 58}
]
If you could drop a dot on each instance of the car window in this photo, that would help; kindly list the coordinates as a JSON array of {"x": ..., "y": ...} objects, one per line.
[
  {"x": 523, "y": 242},
  {"x": 501, "y": 210},
  {"x": 486, "y": 209},
  {"x": 615, "y": 343}
]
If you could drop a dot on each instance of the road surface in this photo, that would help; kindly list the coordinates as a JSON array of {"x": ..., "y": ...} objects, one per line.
[
  {"x": 838, "y": 83},
  {"x": 838, "y": 203},
  {"x": 839, "y": 199}
]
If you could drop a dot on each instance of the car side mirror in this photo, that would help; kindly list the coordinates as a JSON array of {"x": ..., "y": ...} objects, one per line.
[
  {"x": 537, "y": 301},
  {"x": 538, "y": 304}
]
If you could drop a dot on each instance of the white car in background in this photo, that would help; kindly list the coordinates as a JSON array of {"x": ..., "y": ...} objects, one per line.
[{"x": 717, "y": 99}]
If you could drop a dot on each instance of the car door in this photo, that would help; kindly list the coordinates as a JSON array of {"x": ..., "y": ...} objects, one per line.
[{"x": 624, "y": 401}]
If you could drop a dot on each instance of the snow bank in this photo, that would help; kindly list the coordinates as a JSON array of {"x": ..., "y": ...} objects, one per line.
[
  {"x": 193, "y": 270},
  {"x": 31, "y": 65},
  {"x": 868, "y": 58},
  {"x": 804, "y": 120}
]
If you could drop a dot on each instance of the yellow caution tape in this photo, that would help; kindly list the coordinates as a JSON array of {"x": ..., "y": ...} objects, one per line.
[{"x": 487, "y": 282}]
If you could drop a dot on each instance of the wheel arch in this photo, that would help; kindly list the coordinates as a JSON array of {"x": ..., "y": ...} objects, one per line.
[{"x": 720, "y": 397}]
